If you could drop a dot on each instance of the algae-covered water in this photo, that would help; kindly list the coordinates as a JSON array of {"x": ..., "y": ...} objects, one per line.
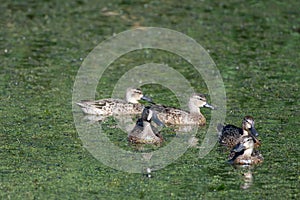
[{"x": 255, "y": 45}]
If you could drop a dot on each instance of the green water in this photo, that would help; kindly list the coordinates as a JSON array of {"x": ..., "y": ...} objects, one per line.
[{"x": 254, "y": 44}]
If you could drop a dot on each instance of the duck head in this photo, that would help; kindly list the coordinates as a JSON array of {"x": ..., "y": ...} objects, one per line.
[
  {"x": 246, "y": 144},
  {"x": 148, "y": 115},
  {"x": 198, "y": 101},
  {"x": 133, "y": 95},
  {"x": 248, "y": 124}
]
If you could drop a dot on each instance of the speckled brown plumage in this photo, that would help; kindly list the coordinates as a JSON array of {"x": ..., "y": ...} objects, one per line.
[
  {"x": 230, "y": 135},
  {"x": 107, "y": 107},
  {"x": 243, "y": 153},
  {"x": 170, "y": 115}
]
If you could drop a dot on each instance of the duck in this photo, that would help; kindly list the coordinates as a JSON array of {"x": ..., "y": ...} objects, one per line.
[
  {"x": 110, "y": 106},
  {"x": 230, "y": 135},
  {"x": 144, "y": 132},
  {"x": 243, "y": 153},
  {"x": 175, "y": 116}
]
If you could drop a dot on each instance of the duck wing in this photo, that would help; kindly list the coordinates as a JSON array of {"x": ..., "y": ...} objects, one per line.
[
  {"x": 230, "y": 135},
  {"x": 170, "y": 115}
]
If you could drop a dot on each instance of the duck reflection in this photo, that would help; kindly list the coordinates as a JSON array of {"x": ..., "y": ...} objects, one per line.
[{"x": 246, "y": 175}]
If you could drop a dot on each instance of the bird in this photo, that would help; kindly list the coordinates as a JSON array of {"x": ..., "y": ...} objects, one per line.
[
  {"x": 243, "y": 153},
  {"x": 175, "y": 116},
  {"x": 110, "y": 106},
  {"x": 230, "y": 135},
  {"x": 144, "y": 132}
]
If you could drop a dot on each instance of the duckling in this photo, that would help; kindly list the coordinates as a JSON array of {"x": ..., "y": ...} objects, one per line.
[
  {"x": 229, "y": 135},
  {"x": 107, "y": 107},
  {"x": 243, "y": 153},
  {"x": 170, "y": 115},
  {"x": 144, "y": 132}
]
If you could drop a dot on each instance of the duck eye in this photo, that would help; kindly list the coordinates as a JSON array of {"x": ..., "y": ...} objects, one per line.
[
  {"x": 250, "y": 121},
  {"x": 201, "y": 98}
]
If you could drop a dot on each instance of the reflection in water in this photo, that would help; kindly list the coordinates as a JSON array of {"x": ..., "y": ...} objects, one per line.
[
  {"x": 247, "y": 176},
  {"x": 193, "y": 142},
  {"x": 182, "y": 137},
  {"x": 185, "y": 134},
  {"x": 248, "y": 180},
  {"x": 93, "y": 118},
  {"x": 188, "y": 134},
  {"x": 124, "y": 122},
  {"x": 147, "y": 157}
]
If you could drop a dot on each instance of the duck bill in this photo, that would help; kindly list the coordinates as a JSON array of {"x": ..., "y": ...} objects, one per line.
[
  {"x": 148, "y": 99},
  {"x": 156, "y": 120},
  {"x": 256, "y": 141},
  {"x": 254, "y": 135},
  {"x": 238, "y": 148},
  {"x": 253, "y": 131},
  {"x": 209, "y": 106}
]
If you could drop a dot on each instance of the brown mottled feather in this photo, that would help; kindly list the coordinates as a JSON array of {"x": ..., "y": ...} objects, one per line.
[
  {"x": 111, "y": 106},
  {"x": 230, "y": 135},
  {"x": 247, "y": 156},
  {"x": 171, "y": 115}
]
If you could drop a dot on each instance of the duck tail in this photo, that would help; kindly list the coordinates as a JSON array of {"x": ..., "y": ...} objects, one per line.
[{"x": 81, "y": 104}]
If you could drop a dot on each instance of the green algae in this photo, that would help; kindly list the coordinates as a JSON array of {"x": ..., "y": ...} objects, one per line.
[{"x": 255, "y": 47}]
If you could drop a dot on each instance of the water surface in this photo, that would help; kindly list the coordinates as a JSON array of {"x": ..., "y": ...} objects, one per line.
[{"x": 255, "y": 47}]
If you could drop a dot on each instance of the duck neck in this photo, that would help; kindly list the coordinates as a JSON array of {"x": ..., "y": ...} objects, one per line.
[
  {"x": 193, "y": 108},
  {"x": 245, "y": 132},
  {"x": 248, "y": 152},
  {"x": 147, "y": 127},
  {"x": 129, "y": 99},
  {"x": 146, "y": 124}
]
